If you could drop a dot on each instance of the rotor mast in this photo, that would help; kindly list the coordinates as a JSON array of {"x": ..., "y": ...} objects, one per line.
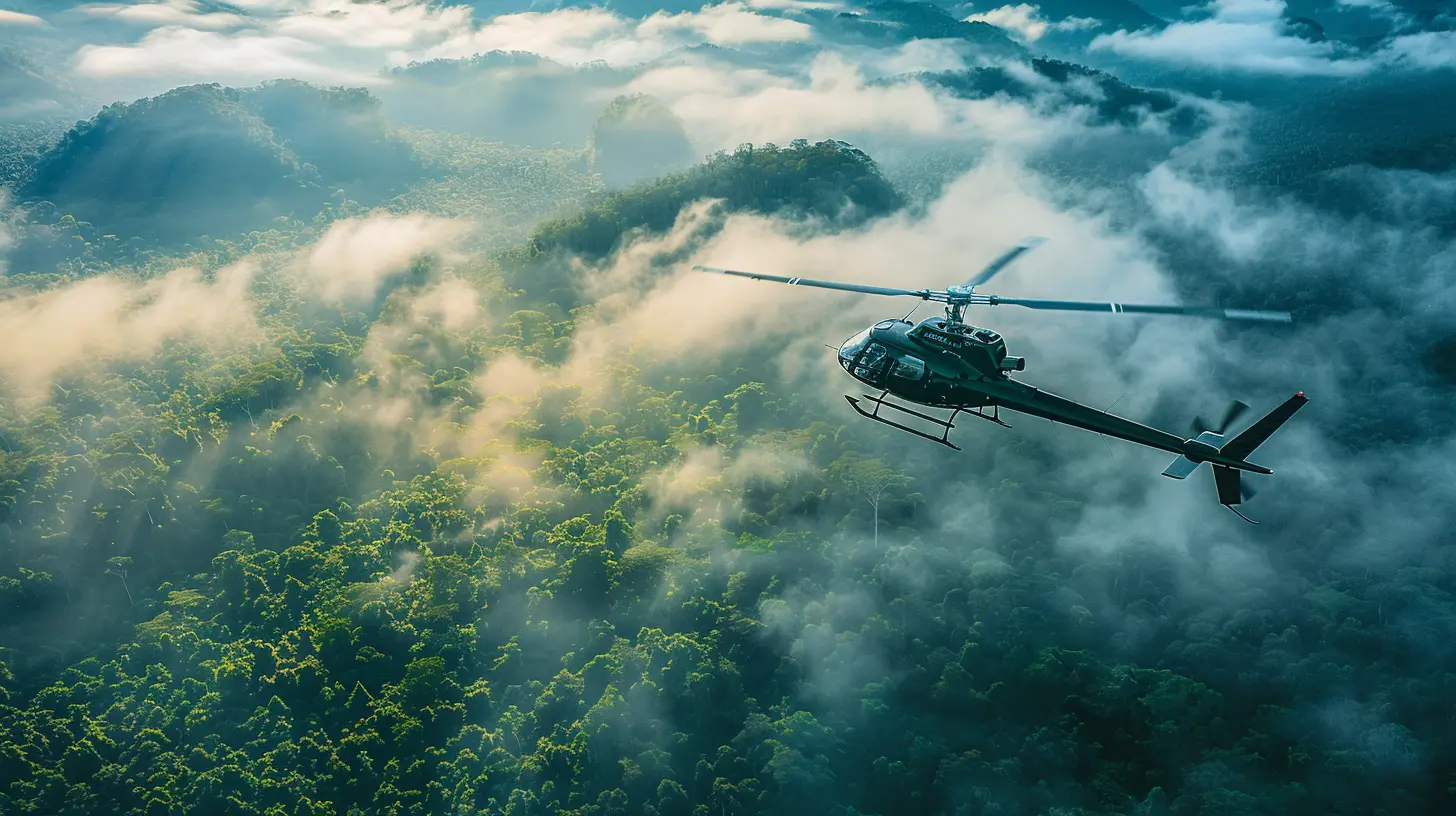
[{"x": 955, "y": 307}]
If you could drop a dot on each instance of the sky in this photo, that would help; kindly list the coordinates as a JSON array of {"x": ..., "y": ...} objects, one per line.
[{"x": 130, "y": 47}]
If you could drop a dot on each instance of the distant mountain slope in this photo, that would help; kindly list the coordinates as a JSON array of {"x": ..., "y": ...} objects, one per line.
[
  {"x": 636, "y": 138},
  {"x": 1383, "y": 121},
  {"x": 25, "y": 91},
  {"x": 205, "y": 159},
  {"x": 1113, "y": 99},
  {"x": 888, "y": 22},
  {"x": 1111, "y": 14}
]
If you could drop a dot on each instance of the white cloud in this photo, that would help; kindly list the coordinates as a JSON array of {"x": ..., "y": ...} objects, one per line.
[
  {"x": 374, "y": 25},
  {"x": 17, "y": 18},
  {"x": 189, "y": 55},
  {"x": 1026, "y": 22},
  {"x": 1425, "y": 50},
  {"x": 316, "y": 40},
  {"x": 722, "y": 107},
  {"x": 355, "y": 256},
  {"x": 569, "y": 35},
  {"x": 578, "y": 35},
  {"x": 725, "y": 24},
  {"x": 1243, "y": 35},
  {"x": 166, "y": 12},
  {"x": 1251, "y": 35},
  {"x": 49, "y": 333}
]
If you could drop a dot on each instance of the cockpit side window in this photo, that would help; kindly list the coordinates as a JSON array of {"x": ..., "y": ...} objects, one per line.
[{"x": 909, "y": 368}]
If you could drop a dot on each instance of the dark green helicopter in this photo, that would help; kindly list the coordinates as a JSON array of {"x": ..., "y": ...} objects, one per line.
[{"x": 943, "y": 362}]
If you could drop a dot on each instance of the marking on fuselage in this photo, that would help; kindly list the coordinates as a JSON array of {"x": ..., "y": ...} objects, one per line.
[{"x": 794, "y": 281}]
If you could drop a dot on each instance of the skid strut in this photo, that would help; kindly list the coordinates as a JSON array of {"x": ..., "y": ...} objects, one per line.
[
  {"x": 881, "y": 402},
  {"x": 945, "y": 424}
]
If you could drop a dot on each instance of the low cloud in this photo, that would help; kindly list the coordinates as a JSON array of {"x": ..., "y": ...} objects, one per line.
[
  {"x": 329, "y": 41},
  {"x": 380, "y": 26},
  {"x": 1254, "y": 36},
  {"x": 580, "y": 35},
  {"x": 105, "y": 319},
  {"x": 16, "y": 18},
  {"x": 337, "y": 41},
  {"x": 1243, "y": 35},
  {"x": 722, "y": 107},
  {"x": 1427, "y": 50},
  {"x": 171, "y": 12},
  {"x": 355, "y": 257},
  {"x": 179, "y": 55},
  {"x": 726, "y": 24},
  {"x": 1026, "y": 21}
]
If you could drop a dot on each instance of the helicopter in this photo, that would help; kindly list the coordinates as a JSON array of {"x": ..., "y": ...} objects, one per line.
[{"x": 946, "y": 363}]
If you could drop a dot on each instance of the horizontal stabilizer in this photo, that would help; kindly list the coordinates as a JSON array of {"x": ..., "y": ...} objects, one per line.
[
  {"x": 1244, "y": 444},
  {"x": 1181, "y": 468}
]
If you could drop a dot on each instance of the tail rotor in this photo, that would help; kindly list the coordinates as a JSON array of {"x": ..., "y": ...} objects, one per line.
[
  {"x": 1229, "y": 457},
  {"x": 1235, "y": 410}
]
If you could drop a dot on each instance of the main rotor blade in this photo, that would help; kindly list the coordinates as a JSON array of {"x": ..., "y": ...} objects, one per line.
[
  {"x": 1027, "y": 244},
  {"x": 1119, "y": 308},
  {"x": 845, "y": 287}
]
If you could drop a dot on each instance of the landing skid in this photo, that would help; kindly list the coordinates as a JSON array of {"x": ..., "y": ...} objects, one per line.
[
  {"x": 1240, "y": 515},
  {"x": 946, "y": 424}
]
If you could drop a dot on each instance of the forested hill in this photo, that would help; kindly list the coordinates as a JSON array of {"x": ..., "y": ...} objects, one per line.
[
  {"x": 26, "y": 92},
  {"x": 830, "y": 181},
  {"x": 206, "y": 160}
]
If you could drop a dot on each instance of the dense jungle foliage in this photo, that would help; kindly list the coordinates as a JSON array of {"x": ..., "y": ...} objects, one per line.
[{"x": 338, "y": 565}]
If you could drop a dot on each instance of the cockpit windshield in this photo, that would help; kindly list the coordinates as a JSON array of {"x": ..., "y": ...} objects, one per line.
[{"x": 853, "y": 346}]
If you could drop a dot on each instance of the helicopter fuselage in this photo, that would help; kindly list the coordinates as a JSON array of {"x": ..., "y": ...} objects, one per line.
[{"x": 931, "y": 362}]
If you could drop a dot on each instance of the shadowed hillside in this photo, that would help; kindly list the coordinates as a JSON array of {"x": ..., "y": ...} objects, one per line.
[{"x": 205, "y": 159}]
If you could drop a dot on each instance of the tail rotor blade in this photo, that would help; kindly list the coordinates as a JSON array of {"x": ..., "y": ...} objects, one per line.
[{"x": 1236, "y": 409}]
